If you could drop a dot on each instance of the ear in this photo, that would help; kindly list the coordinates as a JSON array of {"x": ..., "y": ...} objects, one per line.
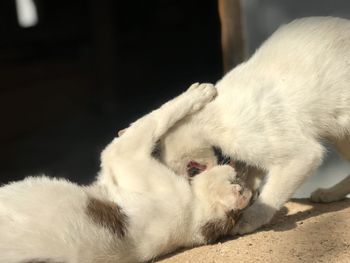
[{"x": 121, "y": 132}]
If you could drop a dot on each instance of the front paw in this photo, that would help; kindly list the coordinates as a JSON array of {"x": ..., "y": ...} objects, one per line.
[
  {"x": 254, "y": 217},
  {"x": 218, "y": 188},
  {"x": 201, "y": 94},
  {"x": 222, "y": 199}
]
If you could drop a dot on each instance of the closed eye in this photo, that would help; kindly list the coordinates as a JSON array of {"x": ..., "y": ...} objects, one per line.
[{"x": 221, "y": 158}]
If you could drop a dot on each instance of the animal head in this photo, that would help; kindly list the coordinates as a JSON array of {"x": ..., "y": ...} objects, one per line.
[{"x": 186, "y": 151}]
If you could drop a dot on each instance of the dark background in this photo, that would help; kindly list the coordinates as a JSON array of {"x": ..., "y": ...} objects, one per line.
[{"x": 90, "y": 68}]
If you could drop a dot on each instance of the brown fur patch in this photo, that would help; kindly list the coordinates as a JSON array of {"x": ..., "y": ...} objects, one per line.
[
  {"x": 215, "y": 229},
  {"x": 108, "y": 215}
]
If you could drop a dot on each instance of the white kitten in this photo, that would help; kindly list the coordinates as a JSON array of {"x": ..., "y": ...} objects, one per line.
[
  {"x": 138, "y": 208},
  {"x": 273, "y": 111}
]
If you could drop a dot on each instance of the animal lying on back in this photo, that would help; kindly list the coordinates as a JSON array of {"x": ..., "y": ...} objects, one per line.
[
  {"x": 136, "y": 210},
  {"x": 273, "y": 112}
]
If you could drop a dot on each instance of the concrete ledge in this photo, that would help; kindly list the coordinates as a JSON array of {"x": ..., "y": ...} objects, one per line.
[{"x": 301, "y": 232}]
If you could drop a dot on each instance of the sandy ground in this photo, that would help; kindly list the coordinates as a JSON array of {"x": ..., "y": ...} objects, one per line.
[{"x": 301, "y": 232}]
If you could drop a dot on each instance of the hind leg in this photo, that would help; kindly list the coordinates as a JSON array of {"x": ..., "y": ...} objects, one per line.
[{"x": 341, "y": 189}]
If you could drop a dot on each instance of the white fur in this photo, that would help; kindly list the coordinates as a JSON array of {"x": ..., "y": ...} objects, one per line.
[
  {"x": 274, "y": 110},
  {"x": 46, "y": 219}
]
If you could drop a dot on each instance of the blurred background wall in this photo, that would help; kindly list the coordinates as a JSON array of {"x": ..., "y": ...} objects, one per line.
[
  {"x": 262, "y": 17},
  {"x": 82, "y": 69},
  {"x": 88, "y": 68}
]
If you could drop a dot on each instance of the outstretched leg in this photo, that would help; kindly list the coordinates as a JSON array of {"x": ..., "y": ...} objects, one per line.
[
  {"x": 146, "y": 131},
  {"x": 283, "y": 180},
  {"x": 134, "y": 148},
  {"x": 341, "y": 189}
]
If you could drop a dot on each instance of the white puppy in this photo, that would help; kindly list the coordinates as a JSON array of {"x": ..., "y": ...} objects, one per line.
[
  {"x": 137, "y": 209},
  {"x": 273, "y": 112}
]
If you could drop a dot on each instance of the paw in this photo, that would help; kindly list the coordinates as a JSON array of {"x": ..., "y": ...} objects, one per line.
[
  {"x": 201, "y": 94},
  {"x": 254, "y": 217},
  {"x": 218, "y": 187},
  {"x": 323, "y": 195},
  {"x": 240, "y": 198}
]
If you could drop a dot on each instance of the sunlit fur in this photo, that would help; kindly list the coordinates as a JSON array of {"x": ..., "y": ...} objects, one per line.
[
  {"x": 48, "y": 220},
  {"x": 274, "y": 110}
]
